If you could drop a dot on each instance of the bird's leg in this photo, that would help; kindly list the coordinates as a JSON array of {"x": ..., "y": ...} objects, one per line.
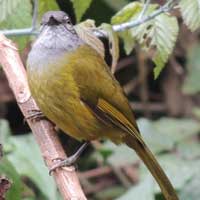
[
  {"x": 70, "y": 160},
  {"x": 34, "y": 115}
]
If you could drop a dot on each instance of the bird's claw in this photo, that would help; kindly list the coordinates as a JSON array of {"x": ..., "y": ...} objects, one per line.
[
  {"x": 34, "y": 115},
  {"x": 62, "y": 163}
]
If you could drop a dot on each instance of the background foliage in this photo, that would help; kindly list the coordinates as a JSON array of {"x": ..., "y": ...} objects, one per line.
[{"x": 167, "y": 108}]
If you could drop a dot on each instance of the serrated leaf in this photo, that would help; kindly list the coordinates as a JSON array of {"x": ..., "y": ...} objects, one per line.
[
  {"x": 130, "y": 13},
  {"x": 7, "y": 7},
  {"x": 20, "y": 18},
  {"x": 113, "y": 44},
  {"x": 165, "y": 36},
  {"x": 191, "y": 85},
  {"x": 84, "y": 30},
  {"x": 80, "y": 7},
  {"x": 190, "y": 11},
  {"x": 159, "y": 34}
]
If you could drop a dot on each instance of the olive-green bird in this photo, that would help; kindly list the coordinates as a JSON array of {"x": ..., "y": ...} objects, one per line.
[{"x": 75, "y": 89}]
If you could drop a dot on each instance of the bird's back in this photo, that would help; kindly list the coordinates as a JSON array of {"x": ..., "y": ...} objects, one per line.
[{"x": 60, "y": 88}]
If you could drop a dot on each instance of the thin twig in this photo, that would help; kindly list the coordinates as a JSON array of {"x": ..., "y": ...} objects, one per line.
[
  {"x": 145, "y": 8},
  {"x": 165, "y": 8},
  {"x": 119, "y": 27},
  {"x": 43, "y": 130}
]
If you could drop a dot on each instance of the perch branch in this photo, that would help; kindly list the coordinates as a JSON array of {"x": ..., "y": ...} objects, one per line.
[{"x": 43, "y": 130}]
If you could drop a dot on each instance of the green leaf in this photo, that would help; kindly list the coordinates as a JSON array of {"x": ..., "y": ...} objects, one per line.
[
  {"x": 129, "y": 41},
  {"x": 190, "y": 11},
  {"x": 20, "y": 18},
  {"x": 159, "y": 34},
  {"x": 7, "y": 170},
  {"x": 27, "y": 159},
  {"x": 191, "y": 85},
  {"x": 81, "y": 7},
  {"x": 129, "y": 12},
  {"x": 7, "y": 8},
  {"x": 143, "y": 191}
]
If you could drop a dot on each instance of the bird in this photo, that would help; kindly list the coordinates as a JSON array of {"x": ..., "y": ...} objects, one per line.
[{"x": 74, "y": 88}]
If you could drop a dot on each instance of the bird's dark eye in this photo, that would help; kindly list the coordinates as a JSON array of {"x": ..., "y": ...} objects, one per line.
[{"x": 66, "y": 20}]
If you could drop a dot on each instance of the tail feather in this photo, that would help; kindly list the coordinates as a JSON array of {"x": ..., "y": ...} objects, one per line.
[
  {"x": 150, "y": 161},
  {"x": 108, "y": 114}
]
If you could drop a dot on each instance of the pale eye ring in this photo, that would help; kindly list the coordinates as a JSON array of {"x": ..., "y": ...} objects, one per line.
[{"x": 66, "y": 20}]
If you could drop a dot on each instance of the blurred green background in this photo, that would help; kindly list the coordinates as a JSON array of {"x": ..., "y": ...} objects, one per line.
[{"x": 167, "y": 112}]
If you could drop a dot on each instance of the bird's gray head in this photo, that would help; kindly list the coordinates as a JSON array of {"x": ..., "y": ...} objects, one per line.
[{"x": 57, "y": 32}]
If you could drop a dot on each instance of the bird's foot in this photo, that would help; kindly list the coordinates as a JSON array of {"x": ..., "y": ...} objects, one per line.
[
  {"x": 69, "y": 161},
  {"x": 63, "y": 163},
  {"x": 34, "y": 115}
]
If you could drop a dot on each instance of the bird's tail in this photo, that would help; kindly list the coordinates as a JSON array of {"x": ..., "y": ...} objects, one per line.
[{"x": 150, "y": 161}]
